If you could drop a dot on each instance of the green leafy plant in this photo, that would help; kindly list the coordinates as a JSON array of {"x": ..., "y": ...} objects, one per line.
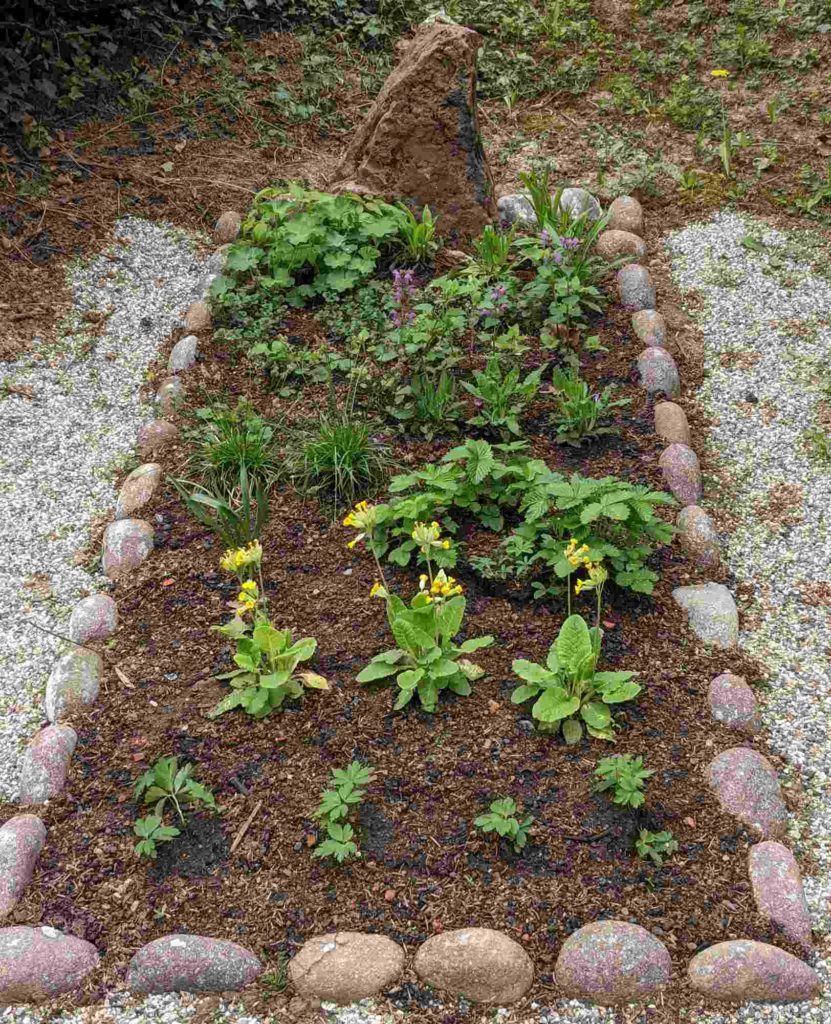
[
  {"x": 568, "y": 691},
  {"x": 417, "y": 236},
  {"x": 501, "y": 397},
  {"x": 429, "y": 404},
  {"x": 655, "y": 846},
  {"x": 151, "y": 831},
  {"x": 228, "y": 438},
  {"x": 336, "y": 803},
  {"x": 502, "y": 819},
  {"x": 492, "y": 256},
  {"x": 237, "y": 515},
  {"x": 579, "y": 414},
  {"x": 166, "y": 783},
  {"x": 625, "y": 775}
]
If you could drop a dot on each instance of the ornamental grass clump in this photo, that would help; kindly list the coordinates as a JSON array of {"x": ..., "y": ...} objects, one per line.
[
  {"x": 266, "y": 658},
  {"x": 426, "y": 660}
]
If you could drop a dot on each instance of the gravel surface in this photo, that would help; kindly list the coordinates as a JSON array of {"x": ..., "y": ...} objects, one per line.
[{"x": 68, "y": 419}]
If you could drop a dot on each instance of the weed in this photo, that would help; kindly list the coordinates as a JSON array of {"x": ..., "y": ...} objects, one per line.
[{"x": 502, "y": 819}]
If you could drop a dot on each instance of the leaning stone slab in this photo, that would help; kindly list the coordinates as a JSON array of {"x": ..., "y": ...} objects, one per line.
[
  {"x": 611, "y": 245},
  {"x": 483, "y": 965},
  {"x": 578, "y": 202},
  {"x": 198, "y": 317},
  {"x": 711, "y": 611},
  {"x": 635, "y": 287},
  {"x": 183, "y": 354},
  {"x": 45, "y": 763},
  {"x": 37, "y": 964},
  {"x": 127, "y": 543},
  {"x": 626, "y": 214},
  {"x": 733, "y": 703},
  {"x": 744, "y": 971},
  {"x": 156, "y": 436},
  {"x": 93, "y": 618},
  {"x": 699, "y": 537},
  {"x": 650, "y": 327},
  {"x": 516, "y": 208},
  {"x": 671, "y": 423},
  {"x": 74, "y": 683},
  {"x": 137, "y": 490},
  {"x": 21, "y": 840},
  {"x": 777, "y": 889},
  {"x": 168, "y": 394},
  {"x": 227, "y": 227},
  {"x": 747, "y": 786},
  {"x": 191, "y": 963},
  {"x": 659, "y": 374},
  {"x": 344, "y": 967},
  {"x": 682, "y": 473},
  {"x": 612, "y": 962}
]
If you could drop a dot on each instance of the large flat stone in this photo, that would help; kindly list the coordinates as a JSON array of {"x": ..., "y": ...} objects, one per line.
[
  {"x": 21, "y": 840},
  {"x": 191, "y": 963},
  {"x": 45, "y": 763},
  {"x": 74, "y": 683},
  {"x": 747, "y": 786},
  {"x": 483, "y": 965},
  {"x": 741, "y": 971},
  {"x": 612, "y": 962},
  {"x": 712, "y": 613},
  {"x": 344, "y": 967},
  {"x": 37, "y": 964},
  {"x": 777, "y": 888}
]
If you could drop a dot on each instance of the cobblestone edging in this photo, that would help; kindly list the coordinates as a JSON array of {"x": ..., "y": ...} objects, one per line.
[{"x": 606, "y": 962}]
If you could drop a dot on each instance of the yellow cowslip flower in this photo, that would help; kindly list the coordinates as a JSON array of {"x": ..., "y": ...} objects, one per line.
[
  {"x": 354, "y": 516},
  {"x": 720, "y": 73},
  {"x": 378, "y": 590},
  {"x": 237, "y": 559},
  {"x": 363, "y": 517},
  {"x": 250, "y": 585},
  {"x": 579, "y": 585},
  {"x": 428, "y": 537}
]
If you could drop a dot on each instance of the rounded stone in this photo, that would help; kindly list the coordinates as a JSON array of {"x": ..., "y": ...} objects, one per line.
[
  {"x": 45, "y": 763},
  {"x": 480, "y": 964},
  {"x": 733, "y": 703},
  {"x": 37, "y": 964},
  {"x": 777, "y": 889},
  {"x": 183, "y": 354},
  {"x": 21, "y": 840},
  {"x": 698, "y": 536},
  {"x": 197, "y": 317},
  {"x": 127, "y": 543},
  {"x": 156, "y": 436},
  {"x": 682, "y": 473},
  {"x": 659, "y": 374},
  {"x": 612, "y": 962},
  {"x": 138, "y": 489},
  {"x": 746, "y": 785},
  {"x": 577, "y": 202},
  {"x": 516, "y": 209},
  {"x": 93, "y": 618},
  {"x": 611, "y": 245},
  {"x": 745, "y": 971},
  {"x": 635, "y": 287},
  {"x": 74, "y": 683},
  {"x": 626, "y": 214},
  {"x": 650, "y": 327},
  {"x": 711, "y": 612},
  {"x": 344, "y": 967},
  {"x": 168, "y": 394},
  {"x": 191, "y": 963},
  {"x": 227, "y": 227},
  {"x": 671, "y": 423}
]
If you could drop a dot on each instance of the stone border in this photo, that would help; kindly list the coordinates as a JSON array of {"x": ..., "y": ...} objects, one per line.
[{"x": 606, "y": 962}]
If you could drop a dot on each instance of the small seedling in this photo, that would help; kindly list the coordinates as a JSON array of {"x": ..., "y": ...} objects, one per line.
[
  {"x": 501, "y": 818},
  {"x": 166, "y": 783},
  {"x": 335, "y": 805},
  {"x": 625, "y": 775},
  {"x": 655, "y": 845}
]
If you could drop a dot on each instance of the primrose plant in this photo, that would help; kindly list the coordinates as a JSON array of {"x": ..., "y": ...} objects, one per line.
[{"x": 426, "y": 660}]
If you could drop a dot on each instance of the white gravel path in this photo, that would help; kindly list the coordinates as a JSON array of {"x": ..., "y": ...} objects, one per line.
[{"x": 60, "y": 447}]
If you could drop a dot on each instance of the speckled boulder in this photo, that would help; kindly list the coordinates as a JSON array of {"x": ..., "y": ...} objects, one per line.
[
  {"x": 626, "y": 214},
  {"x": 191, "y": 963},
  {"x": 183, "y": 354},
  {"x": 650, "y": 328},
  {"x": 733, "y": 703},
  {"x": 612, "y": 962},
  {"x": 659, "y": 374},
  {"x": 45, "y": 763},
  {"x": 747, "y": 786},
  {"x": 777, "y": 889},
  {"x": 198, "y": 317},
  {"x": 577, "y": 201},
  {"x": 73, "y": 683},
  {"x": 611, "y": 245},
  {"x": 744, "y": 971},
  {"x": 37, "y": 964},
  {"x": 671, "y": 423},
  {"x": 227, "y": 227},
  {"x": 635, "y": 287},
  {"x": 698, "y": 537},
  {"x": 516, "y": 209},
  {"x": 344, "y": 967},
  {"x": 682, "y": 473},
  {"x": 21, "y": 840},
  {"x": 711, "y": 612},
  {"x": 93, "y": 618},
  {"x": 137, "y": 490},
  {"x": 168, "y": 394},
  {"x": 127, "y": 542},
  {"x": 483, "y": 965},
  {"x": 156, "y": 436}
]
